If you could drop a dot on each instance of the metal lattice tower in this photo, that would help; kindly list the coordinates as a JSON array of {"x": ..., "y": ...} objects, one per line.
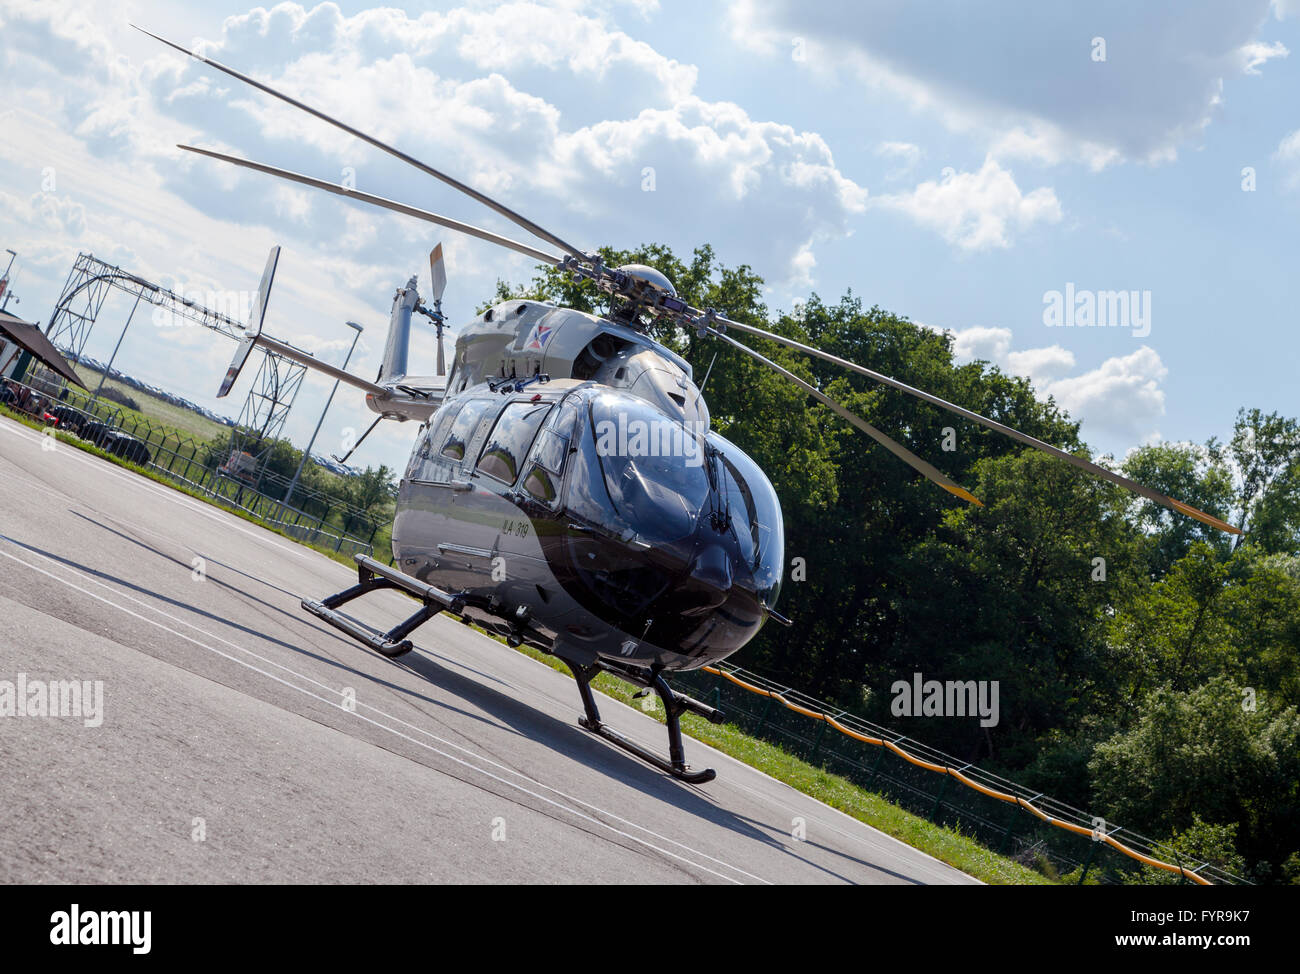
[
  {"x": 262, "y": 418},
  {"x": 267, "y": 407},
  {"x": 79, "y": 304}
]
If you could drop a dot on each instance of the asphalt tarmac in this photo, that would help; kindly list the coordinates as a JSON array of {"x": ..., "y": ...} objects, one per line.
[{"x": 240, "y": 740}]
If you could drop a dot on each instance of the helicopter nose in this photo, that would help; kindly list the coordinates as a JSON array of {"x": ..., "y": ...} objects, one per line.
[{"x": 708, "y": 581}]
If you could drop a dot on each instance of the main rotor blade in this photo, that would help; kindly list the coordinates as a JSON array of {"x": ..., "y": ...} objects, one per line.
[
  {"x": 455, "y": 184},
  {"x": 1095, "y": 469},
  {"x": 894, "y": 447},
  {"x": 356, "y": 194}
]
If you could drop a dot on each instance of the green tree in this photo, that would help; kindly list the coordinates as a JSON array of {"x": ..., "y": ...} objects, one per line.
[
  {"x": 371, "y": 489},
  {"x": 1203, "y": 753},
  {"x": 1200, "y": 844},
  {"x": 1266, "y": 449},
  {"x": 1195, "y": 475}
]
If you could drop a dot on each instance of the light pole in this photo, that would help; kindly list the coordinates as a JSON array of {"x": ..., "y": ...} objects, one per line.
[{"x": 312, "y": 442}]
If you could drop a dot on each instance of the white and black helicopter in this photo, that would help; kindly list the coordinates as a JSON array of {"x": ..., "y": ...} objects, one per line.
[{"x": 565, "y": 490}]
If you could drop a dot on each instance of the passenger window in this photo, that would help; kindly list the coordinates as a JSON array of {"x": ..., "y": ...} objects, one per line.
[
  {"x": 511, "y": 439},
  {"x": 462, "y": 429},
  {"x": 427, "y": 464}
]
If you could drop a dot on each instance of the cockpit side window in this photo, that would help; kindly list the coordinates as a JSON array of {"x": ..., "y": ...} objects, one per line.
[
  {"x": 511, "y": 439},
  {"x": 462, "y": 429},
  {"x": 427, "y": 463},
  {"x": 755, "y": 511}
]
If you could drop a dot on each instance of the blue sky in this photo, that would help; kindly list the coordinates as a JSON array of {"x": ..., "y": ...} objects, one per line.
[{"x": 951, "y": 162}]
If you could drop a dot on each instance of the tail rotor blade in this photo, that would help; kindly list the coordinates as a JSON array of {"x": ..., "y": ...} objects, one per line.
[
  {"x": 438, "y": 284},
  {"x": 437, "y": 274},
  {"x": 256, "y": 318}
]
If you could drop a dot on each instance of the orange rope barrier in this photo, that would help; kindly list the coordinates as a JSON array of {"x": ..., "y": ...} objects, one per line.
[{"x": 954, "y": 773}]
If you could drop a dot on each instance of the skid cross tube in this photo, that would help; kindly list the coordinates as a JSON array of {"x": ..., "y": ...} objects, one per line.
[{"x": 371, "y": 577}]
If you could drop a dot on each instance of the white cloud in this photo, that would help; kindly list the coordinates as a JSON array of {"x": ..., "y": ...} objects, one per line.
[
  {"x": 989, "y": 344},
  {"x": 1255, "y": 54},
  {"x": 906, "y": 151},
  {"x": 904, "y": 155},
  {"x": 716, "y": 172},
  {"x": 976, "y": 210},
  {"x": 1159, "y": 86},
  {"x": 462, "y": 88},
  {"x": 1047, "y": 145},
  {"x": 1039, "y": 364},
  {"x": 1120, "y": 398},
  {"x": 1288, "y": 156}
]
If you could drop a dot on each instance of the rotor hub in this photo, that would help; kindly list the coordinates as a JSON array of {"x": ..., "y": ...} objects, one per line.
[{"x": 650, "y": 278}]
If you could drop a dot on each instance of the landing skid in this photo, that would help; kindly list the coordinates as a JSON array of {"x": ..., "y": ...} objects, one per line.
[
  {"x": 373, "y": 576},
  {"x": 675, "y": 704}
]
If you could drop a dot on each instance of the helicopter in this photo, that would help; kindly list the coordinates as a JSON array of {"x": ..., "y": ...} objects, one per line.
[{"x": 564, "y": 490}]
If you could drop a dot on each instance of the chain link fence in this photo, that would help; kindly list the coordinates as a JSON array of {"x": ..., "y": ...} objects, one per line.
[
  {"x": 1005, "y": 827},
  {"x": 314, "y": 516}
]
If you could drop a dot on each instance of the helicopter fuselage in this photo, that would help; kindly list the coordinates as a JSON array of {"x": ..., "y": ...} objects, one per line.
[{"x": 587, "y": 521}]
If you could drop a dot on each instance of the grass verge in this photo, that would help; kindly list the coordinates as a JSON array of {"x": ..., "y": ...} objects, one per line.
[{"x": 945, "y": 844}]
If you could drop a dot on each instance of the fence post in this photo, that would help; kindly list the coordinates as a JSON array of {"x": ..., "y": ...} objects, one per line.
[
  {"x": 875, "y": 768},
  {"x": 943, "y": 790},
  {"x": 817, "y": 744},
  {"x": 1087, "y": 863},
  {"x": 1011, "y": 823}
]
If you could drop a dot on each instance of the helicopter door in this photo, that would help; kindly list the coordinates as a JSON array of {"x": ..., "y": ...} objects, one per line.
[{"x": 544, "y": 474}]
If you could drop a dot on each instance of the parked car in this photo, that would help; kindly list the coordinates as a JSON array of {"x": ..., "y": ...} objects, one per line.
[
  {"x": 127, "y": 447},
  {"x": 95, "y": 432},
  {"x": 69, "y": 418}
]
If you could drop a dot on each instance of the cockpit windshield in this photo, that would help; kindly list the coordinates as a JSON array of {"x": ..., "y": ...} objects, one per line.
[{"x": 652, "y": 482}]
